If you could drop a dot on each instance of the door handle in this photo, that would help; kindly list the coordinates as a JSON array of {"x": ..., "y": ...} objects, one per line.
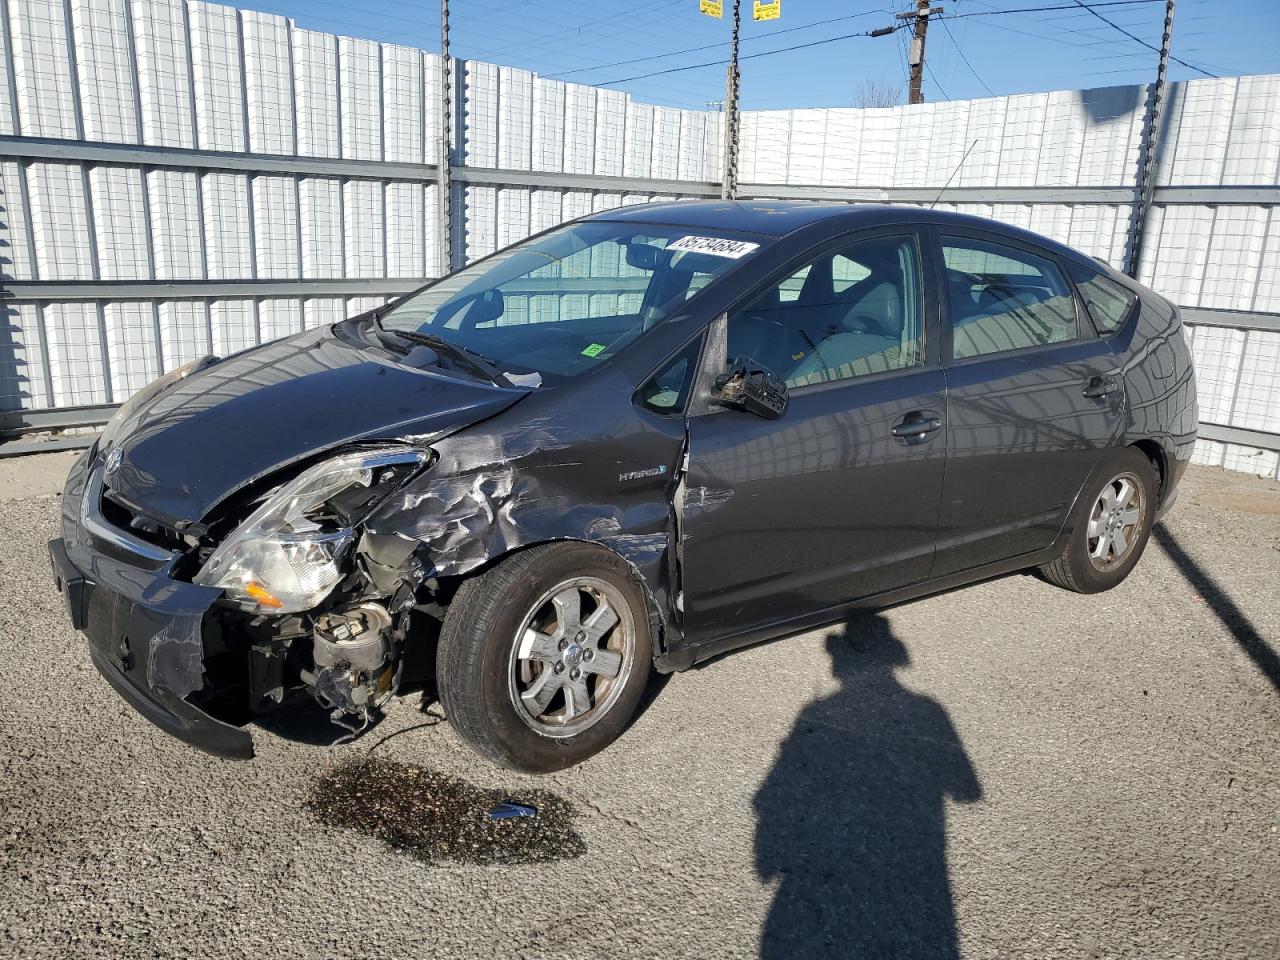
[
  {"x": 916, "y": 426},
  {"x": 1099, "y": 387}
]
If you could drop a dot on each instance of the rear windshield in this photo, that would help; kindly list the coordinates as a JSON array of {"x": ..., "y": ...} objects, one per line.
[{"x": 571, "y": 299}]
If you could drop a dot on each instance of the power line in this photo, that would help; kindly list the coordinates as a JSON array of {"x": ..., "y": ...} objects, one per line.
[
  {"x": 710, "y": 46},
  {"x": 370, "y": 13},
  {"x": 554, "y": 59},
  {"x": 924, "y": 12},
  {"x": 540, "y": 41},
  {"x": 750, "y": 56},
  {"x": 1066, "y": 10},
  {"x": 947, "y": 27},
  {"x": 994, "y": 12},
  {"x": 941, "y": 89},
  {"x": 867, "y": 33},
  {"x": 1039, "y": 36},
  {"x": 1190, "y": 66},
  {"x": 421, "y": 39},
  {"x": 696, "y": 66},
  {"x": 1078, "y": 9},
  {"x": 486, "y": 36}
]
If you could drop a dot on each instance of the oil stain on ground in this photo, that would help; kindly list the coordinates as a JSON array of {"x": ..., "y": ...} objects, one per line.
[{"x": 435, "y": 817}]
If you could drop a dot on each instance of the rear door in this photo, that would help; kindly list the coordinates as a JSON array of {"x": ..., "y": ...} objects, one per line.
[
  {"x": 838, "y": 498},
  {"x": 1034, "y": 397}
]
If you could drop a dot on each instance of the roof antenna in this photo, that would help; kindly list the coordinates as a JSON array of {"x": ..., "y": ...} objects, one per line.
[{"x": 953, "y": 173}]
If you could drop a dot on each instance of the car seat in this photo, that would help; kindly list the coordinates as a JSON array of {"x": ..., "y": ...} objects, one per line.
[{"x": 759, "y": 334}]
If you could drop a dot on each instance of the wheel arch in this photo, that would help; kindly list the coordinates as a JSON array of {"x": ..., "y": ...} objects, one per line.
[
  {"x": 1155, "y": 452},
  {"x": 1149, "y": 448},
  {"x": 662, "y": 631},
  {"x": 1065, "y": 570}
]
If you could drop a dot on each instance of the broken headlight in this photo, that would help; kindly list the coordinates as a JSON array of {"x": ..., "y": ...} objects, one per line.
[{"x": 286, "y": 557}]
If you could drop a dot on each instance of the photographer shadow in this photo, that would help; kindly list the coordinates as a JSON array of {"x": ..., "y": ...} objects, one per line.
[{"x": 851, "y": 820}]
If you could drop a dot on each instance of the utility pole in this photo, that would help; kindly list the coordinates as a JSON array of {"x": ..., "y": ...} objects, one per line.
[
  {"x": 921, "y": 14},
  {"x": 729, "y": 185},
  {"x": 445, "y": 182},
  {"x": 1146, "y": 156}
]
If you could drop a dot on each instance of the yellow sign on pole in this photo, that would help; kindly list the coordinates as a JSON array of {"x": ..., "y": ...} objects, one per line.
[
  {"x": 712, "y": 8},
  {"x": 766, "y": 11}
]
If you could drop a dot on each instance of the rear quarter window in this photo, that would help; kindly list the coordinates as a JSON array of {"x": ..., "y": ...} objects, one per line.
[{"x": 1108, "y": 302}]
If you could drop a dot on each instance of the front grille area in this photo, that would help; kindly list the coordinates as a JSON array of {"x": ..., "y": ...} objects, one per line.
[{"x": 123, "y": 516}]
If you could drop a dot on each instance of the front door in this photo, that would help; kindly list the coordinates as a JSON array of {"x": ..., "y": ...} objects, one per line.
[
  {"x": 838, "y": 498},
  {"x": 1034, "y": 398}
]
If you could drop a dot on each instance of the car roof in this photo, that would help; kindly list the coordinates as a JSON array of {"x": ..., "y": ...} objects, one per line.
[
  {"x": 772, "y": 218},
  {"x": 777, "y": 218}
]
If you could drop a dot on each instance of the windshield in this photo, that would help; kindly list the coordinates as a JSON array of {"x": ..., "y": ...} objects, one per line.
[{"x": 564, "y": 302}]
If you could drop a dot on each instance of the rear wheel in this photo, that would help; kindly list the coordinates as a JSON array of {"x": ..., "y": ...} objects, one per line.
[
  {"x": 1111, "y": 526},
  {"x": 544, "y": 658}
]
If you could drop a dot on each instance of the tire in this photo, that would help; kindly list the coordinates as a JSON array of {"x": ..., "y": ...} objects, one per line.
[
  {"x": 543, "y": 699},
  {"x": 1090, "y": 564}
]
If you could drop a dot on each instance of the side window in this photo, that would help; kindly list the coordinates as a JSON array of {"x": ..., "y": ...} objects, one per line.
[
  {"x": 667, "y": 391},
  {"x": 850, "y": 313},
  {"x": 1108, "y": 302},
  {"x": 789, "y": 289},
  {"x": 845, "y": 272},
  {"x": 696, "y": 283},
  {"x": 1004, "y": 299}
]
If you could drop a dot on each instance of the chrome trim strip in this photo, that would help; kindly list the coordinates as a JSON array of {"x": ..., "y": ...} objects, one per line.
[
  {"x": 390, "y": 457},
  {"x": 92, "y": 519}
]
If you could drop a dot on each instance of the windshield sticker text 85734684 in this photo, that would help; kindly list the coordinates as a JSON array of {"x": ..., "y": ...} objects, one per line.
[{"x": 715, "y": 246}]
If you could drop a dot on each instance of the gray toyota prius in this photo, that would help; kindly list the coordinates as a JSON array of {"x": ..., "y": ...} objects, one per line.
[{"x": 627, "y": 444}]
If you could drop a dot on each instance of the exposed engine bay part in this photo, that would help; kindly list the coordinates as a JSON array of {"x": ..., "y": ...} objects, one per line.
[{"x": 356, "y": 664}]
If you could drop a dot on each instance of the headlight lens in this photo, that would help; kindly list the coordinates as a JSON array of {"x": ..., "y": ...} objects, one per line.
[
  {"x": 156, "y": 387},
  {"x": 280, "y": 560}
]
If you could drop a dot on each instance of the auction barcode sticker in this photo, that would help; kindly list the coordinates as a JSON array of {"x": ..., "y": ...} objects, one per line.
[{"x": 715, "y": 246}]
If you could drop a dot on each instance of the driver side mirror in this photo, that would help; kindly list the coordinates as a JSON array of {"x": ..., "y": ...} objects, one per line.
[{"x": 752, "y": 388}]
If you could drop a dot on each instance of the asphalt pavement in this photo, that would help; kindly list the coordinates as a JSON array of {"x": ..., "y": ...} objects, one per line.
[{"x": 1005, "y": 771}]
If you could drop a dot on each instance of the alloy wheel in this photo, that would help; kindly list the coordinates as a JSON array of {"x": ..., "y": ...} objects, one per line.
[
  {"x": 571, "y": 657},
  {"x": 1115, "y": 521}
]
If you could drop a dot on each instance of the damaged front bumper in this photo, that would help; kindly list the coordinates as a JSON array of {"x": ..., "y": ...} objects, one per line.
[{"x": 146, "y": 629}]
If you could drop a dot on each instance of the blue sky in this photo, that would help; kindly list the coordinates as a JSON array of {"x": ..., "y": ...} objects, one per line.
[{"x": 1005, "y": 52}]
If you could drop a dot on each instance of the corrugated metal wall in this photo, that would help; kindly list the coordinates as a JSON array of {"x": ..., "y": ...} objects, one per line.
[
  {"x": 263, "y": 155},
  {"x": 177, "y": 178}
]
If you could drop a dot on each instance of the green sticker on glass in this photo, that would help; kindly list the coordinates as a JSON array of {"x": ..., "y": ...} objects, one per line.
[{"x": 594, "y": 350}]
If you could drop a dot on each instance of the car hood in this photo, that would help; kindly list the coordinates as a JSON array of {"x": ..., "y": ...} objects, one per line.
[{"x": 230, "y": 424}]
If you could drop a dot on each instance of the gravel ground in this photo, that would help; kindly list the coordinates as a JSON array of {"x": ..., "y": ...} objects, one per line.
[
  {"x": 1008, "y": 770},
  {"x": 22, "y": 477}
]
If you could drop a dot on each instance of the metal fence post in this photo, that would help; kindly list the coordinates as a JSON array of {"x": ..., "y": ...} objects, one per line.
[
  {"x": 1146, "y": 180},
  {"x": 729, "y": 186},
  {"x": 445, "y": 183}
]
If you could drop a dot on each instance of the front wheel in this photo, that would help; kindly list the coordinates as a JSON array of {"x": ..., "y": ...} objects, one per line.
[
  {"x": 1111, "y": 526},
  {"x": 544, "y": 658}
]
